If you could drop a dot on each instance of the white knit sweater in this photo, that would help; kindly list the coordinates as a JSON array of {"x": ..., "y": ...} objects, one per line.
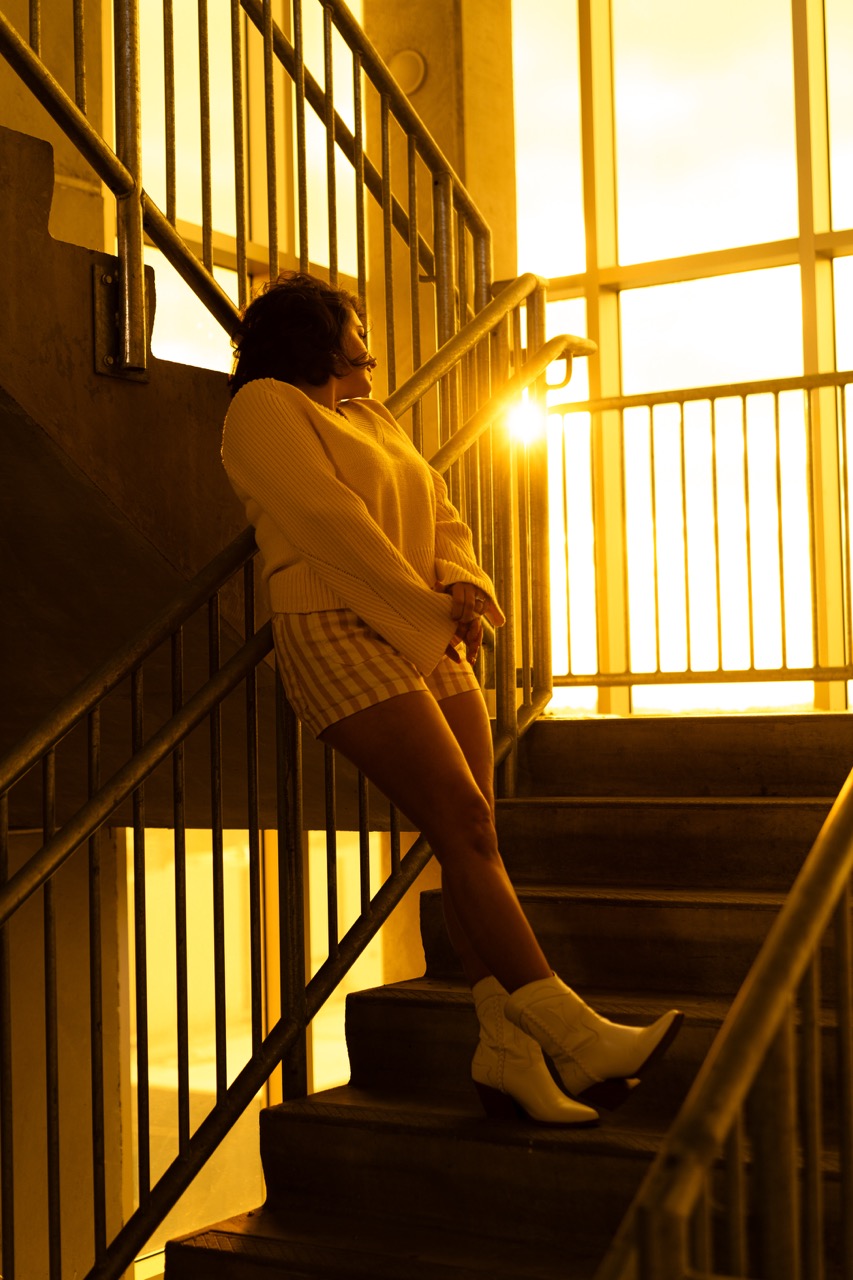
[{"x": 347, "y": 514}]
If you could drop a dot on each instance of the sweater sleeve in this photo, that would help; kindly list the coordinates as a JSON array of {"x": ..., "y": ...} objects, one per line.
[
  {"x": 271, "y": 451},
  {"x": 454, "y": 551}
]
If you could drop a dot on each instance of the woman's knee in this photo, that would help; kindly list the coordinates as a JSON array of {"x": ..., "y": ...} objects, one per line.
[{"x": 465, "y": 827}]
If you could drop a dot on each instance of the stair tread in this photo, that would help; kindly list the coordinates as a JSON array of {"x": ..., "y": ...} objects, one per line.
[
  {"x": 665, "y": 801},
  {"x": 653, "y": 896},
  {"x": 379, "y": 1247},
  {"x": 458, "y": 1115},
  {"x": 701, "y": 1010}
]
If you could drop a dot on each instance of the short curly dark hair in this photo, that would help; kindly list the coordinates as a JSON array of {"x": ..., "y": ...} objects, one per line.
[{"x": 292, "y": 331}]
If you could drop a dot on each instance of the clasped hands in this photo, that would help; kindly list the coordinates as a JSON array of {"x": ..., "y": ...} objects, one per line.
[{"x": 470, "y": 602}]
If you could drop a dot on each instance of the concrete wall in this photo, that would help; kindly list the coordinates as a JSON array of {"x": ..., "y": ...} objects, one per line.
[{"x": 83, "y": 209}]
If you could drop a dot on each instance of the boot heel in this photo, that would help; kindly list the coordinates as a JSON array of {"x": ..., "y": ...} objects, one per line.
[{"x": 497, "y": 1105}]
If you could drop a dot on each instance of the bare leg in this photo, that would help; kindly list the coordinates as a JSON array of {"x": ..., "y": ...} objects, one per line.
[
  {"x": 407, "y": 748},
  {"x": 469, "y": 720}
]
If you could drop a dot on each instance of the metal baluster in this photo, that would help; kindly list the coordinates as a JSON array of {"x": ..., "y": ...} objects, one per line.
[
  {"x": 684, "y": 525},
  {"x": 7, "y": 1145},
  {"x": 540, "y": 533},
  {"x": 505, "y": 525},
  {"x": 414, "y": 288},
  {"x": 51, "y": 1031},
  {"x": 487, "y": 539},
  {"x": 35, "y": 26},
  {"x": 79, "y": 56},
  {"x": 462, "y": 269},
  {"x": 774, "y": 1123},
  {"x": 331, "y": 851},
  {"x": 735, "y": 1199},
  {"x": 623, "y": 502},
  {"x": 779, "y": 529},
  {"x": 269, "y": 125},
  {"x": 566, "y": 424},
  {"x": 239, "y": 149},
  {"x": 221, "y": 1032},
  {"x": 96, "y": 1032},
  {"x": 748, "y": 530},
  {"x": 141, "y": 950},
  {"x": 133, "y": 331},
  {"x": 301, "y": 159},
  {"x": 701, "y": 1242},
  {"x": 844, "y": 481},
  {"x": 844, "y": 1002},
  {"x": 364, "y": 841},
  {"x": 394, "y": 838},
  {"x": 253, "y": 805},
  {"x": 717, "y": 565},
  {"x": 810, "y": 471},
  {"x": 654, "y": 506},
  {"x": 358, "y": 168},
  {"x": 387, "y": 243},
  {"x": 169, "y": 105},
  {"x": 294, "y": 1067},
  {"x": 331, "y": 190},
  {"x": 445, "y": 288},
  {"x": 811, "y": 1110},
  {"x": 523, "y": 483},
  {"x": 181, "y": 938},
  {"x": 204, "y": 105}
]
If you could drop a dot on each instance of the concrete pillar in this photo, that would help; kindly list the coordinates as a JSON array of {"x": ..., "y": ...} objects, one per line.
[{"x": 463, "y": 94}]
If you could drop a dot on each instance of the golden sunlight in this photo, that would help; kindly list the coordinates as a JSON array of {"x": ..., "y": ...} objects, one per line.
[{"x": 526, "y": 422}]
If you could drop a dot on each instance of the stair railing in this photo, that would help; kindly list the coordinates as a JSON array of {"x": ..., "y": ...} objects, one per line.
[
  {"x": 501, "y": 489},
  {"x": 732, "y": 492},
  {"x": 449, "y": 251},
  {"x": 755, "y": 1177}
]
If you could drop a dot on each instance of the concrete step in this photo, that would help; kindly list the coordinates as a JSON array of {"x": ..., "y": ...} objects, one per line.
[
  {"x": 424, "y": 1033},
  {"x": 799, "y": 754},
  {"x": 258, "y": 1246},
  {"x": 438, "y": 1164},
  {"x": 640, "y": 940},
  {"x": 663, "y": 842}
]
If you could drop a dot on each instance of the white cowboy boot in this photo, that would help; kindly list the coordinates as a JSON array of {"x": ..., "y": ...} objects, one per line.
[
  {"x": 585, "y": 1048},
  {"x": 508, "y": 1067}
]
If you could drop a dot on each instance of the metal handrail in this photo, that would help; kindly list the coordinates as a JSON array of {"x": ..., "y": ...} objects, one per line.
[
  {"x": 694, "y": 1142},
  {"x": 466, "y": 340},
  {"x": 735, "y": 390}
]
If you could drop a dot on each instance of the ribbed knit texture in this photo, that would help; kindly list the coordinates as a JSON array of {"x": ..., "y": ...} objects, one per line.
[{"x": 348, "y": 514}]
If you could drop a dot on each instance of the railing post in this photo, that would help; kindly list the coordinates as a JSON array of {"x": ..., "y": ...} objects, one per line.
[
  {"x": 540, "y": 539},
  {"x": 133, "y": 325},
  {"x": 445, "y": 291},
  {"x": 294, "y": 1067},
  {"x": 773, "y": 1117},
  {"x": 504, "y": 515}
]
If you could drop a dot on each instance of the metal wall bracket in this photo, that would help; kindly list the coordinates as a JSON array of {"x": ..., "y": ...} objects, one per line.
[{"x": 105, "y": 311}]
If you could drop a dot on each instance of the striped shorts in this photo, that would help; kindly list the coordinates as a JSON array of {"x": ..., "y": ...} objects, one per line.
[{"x": 333, "y": 665}]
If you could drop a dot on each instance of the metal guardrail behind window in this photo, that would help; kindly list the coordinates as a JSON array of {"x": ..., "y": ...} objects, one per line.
[
  {"x": 432, "y": 234},
  {"x": 236, "y": 704},
  {"x": 755, "y": 1177},
  {"x": 734, "y": 504}
]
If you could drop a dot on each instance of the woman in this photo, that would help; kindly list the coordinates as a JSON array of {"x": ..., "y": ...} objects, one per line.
[{"x": 378, "y": 607}]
